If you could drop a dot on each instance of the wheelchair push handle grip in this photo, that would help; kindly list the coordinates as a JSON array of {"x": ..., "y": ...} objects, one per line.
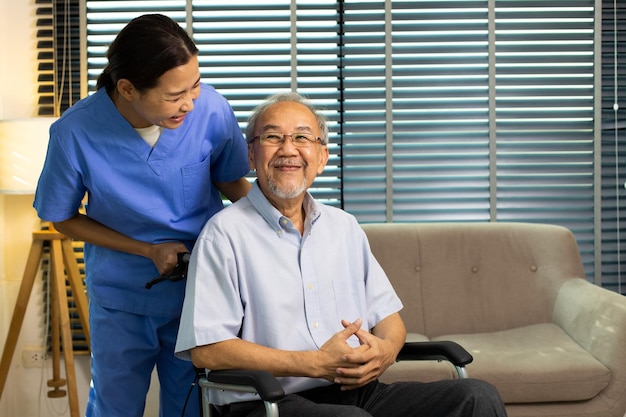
[{"x": 177, "y": 274}]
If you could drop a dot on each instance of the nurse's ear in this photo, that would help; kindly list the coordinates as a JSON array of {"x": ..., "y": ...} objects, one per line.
[{"x": 126, "y": 89}]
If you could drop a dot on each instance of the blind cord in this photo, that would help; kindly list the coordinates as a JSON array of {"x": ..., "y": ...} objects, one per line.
[{"x": 615, "y": 118}]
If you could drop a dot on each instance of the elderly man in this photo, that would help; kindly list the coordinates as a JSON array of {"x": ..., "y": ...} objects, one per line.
[{"x": 282, "y": 283}]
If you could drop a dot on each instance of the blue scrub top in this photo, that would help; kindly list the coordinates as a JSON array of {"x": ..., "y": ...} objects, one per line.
[{"x": 155, "y": 195}]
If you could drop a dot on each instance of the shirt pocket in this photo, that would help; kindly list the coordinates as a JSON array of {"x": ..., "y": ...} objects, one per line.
[
  {"x": 197, "y": 186},
  {"x": 349, "y": 305}
]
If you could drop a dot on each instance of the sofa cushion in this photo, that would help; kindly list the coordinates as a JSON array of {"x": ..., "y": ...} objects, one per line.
[{"x": 532, "y": 364}]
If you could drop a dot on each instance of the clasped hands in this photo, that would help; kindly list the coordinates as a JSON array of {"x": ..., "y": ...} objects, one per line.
[{"x": 355, "y": 367}]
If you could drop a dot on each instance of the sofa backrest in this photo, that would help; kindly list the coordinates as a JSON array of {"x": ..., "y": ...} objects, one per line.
[{"x": 475, "y": 277}]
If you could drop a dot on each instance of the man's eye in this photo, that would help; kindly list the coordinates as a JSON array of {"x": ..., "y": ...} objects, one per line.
[{"x": 273, "y": 136}]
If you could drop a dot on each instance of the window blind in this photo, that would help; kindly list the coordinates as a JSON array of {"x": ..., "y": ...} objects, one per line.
[
  {"x": 456, "y": 110},
  {"x": 416, "y": 110},
  {"x": 470, "y": 111},
  {"x": 58, "y": 55},
  {"x": 58, "y": 68},
  {"x": 104, "y": 19},
  {"x": 79, "y": 339},
  {"x": 613, "y": 147},
  {"x": 544, "y": 115},
  {"x": 248, "y": 51}
]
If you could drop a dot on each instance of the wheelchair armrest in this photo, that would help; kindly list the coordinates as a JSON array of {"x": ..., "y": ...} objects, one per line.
[
  {"x": 264, "y": 383},
  {"x": 444, "y": 350},
  {"x": 269, "y": 390}
]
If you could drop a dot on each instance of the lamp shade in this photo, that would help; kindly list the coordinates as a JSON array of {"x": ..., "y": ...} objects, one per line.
[{"x": 23, "y": 146}]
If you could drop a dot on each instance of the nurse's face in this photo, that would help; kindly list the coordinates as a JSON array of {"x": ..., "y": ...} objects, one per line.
[{"x": 168, "y": 103}]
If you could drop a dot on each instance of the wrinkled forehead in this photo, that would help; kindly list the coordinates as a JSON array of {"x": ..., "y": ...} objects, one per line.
[{"x": 286, "y": 117}]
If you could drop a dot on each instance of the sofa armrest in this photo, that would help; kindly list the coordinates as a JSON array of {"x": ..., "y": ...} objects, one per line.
[{"x": 594, "y": 317}]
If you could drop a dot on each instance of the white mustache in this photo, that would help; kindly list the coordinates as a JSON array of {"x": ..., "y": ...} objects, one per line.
[{"x": 287, "y": 162}]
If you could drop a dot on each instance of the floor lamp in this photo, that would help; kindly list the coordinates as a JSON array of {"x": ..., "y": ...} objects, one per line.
[{"x": 23, "y": 144}]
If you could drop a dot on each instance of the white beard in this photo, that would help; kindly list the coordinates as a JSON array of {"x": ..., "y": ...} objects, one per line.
[{"x": 287, "y": 192}]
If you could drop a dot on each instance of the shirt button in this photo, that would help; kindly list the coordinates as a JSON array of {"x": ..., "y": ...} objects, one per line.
[
  {"x": 316, "y": 325},
  {"x": 309, "y": 286}
]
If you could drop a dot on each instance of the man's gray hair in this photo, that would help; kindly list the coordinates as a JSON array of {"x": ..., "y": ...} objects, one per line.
[{"x": 290, "y": 97}]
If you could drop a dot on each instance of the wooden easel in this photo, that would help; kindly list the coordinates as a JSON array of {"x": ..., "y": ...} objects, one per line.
[{"x": 62, "y": 262}]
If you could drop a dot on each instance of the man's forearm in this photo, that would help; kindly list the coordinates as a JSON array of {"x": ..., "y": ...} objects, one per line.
[
  {"x": 391, "y": 329},
  {"x": 240, "y": 354}
]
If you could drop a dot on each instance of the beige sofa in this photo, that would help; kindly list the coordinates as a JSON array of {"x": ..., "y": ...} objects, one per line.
[{"x": 514, "y": 295}]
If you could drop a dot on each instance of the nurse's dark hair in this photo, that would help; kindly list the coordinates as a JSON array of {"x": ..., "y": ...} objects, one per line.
[
  {"x": 146, "y": 48},
  {"x": 291, "y": 96}
]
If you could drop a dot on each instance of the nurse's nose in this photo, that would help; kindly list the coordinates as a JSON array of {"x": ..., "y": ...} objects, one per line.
[{"x": 187, "y": 104}]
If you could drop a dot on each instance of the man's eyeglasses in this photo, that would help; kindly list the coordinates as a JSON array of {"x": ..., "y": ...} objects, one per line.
[{"x": 299, "y": 140}]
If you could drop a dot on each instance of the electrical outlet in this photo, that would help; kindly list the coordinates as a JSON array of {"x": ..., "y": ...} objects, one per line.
[{"x": 34, "y": 357}]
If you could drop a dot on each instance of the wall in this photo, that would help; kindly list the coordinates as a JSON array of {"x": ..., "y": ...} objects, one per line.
[{"x": 25, "y": 392}]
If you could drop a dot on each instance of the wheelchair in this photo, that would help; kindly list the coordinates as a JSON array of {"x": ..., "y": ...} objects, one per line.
[{"x": 266, "y": 386}]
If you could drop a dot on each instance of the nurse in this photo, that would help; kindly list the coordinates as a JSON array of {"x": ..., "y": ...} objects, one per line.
[{"x": 151, "y": 153}]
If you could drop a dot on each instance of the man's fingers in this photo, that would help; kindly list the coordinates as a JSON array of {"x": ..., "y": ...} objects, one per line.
[
  {"x": 353, "y": 326},
  {"x": 365, "y": 337}
]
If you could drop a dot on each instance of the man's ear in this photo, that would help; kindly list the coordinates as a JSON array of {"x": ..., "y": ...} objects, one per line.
[
  {"x": 126, "y": 89},
  {"x": 324, "y": 155}
]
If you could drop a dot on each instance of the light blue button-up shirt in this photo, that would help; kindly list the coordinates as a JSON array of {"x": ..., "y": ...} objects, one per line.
[{"x": 252, "y": 275}]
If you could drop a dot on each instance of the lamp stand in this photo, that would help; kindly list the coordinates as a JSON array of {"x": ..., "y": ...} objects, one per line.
[{"x": 61, "y": 256}]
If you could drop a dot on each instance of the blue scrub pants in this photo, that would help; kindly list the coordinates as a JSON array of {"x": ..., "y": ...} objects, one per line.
[{"x": 125, "y": 348}]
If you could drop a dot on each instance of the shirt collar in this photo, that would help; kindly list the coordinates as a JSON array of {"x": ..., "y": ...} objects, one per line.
[{"x": 274, "y": 218}]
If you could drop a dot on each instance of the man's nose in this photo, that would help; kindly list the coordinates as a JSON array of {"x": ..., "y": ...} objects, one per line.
[{"x": 287, "y": 144}]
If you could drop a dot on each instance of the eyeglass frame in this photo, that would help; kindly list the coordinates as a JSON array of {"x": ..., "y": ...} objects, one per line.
[{"x": 308, "y": 142}]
